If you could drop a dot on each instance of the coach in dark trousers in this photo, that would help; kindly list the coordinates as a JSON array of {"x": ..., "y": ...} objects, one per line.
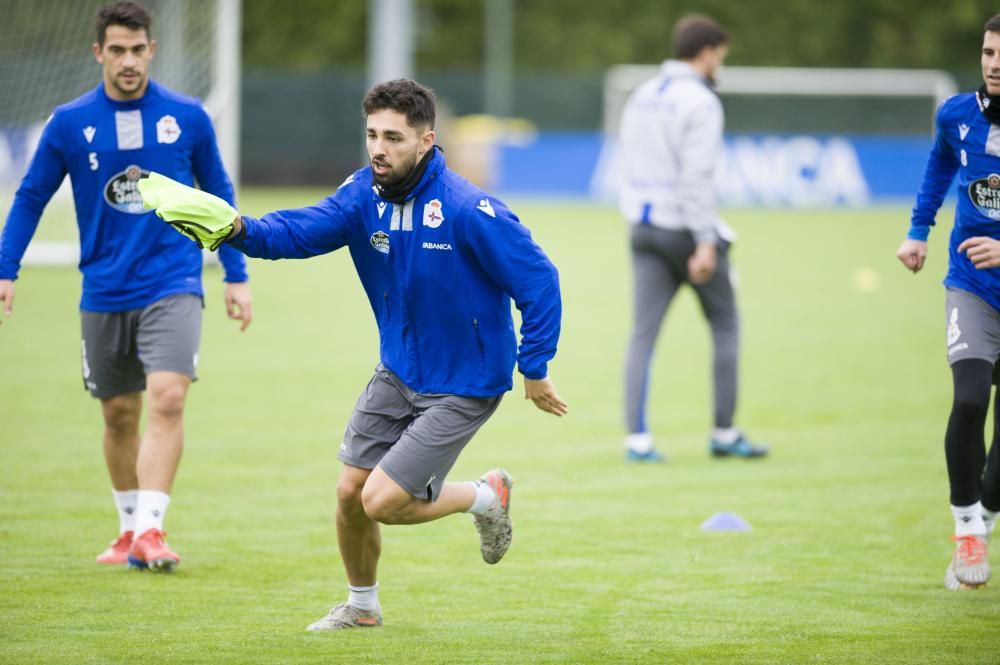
[{"x": 671, "y": 140}]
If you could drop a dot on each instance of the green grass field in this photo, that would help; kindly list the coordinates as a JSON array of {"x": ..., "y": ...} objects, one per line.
[{"x": 843, "y": 373}]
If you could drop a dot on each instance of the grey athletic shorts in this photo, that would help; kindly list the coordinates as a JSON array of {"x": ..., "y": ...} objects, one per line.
[
  {"x": 416, "y": 438},
  {"x": 973, "y": 327},
  {"x": 120, "y": 348}
]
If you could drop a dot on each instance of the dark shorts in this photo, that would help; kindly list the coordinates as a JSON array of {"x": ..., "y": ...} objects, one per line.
[
  {"x": 972, "y": 327},
  {"x": 415, "y": 438},
  {"x": 120, "y": 348}
]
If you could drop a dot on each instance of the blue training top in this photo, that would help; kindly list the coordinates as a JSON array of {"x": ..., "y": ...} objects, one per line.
[
  {"x": 968, "y": 144},
  {"x": 439, "y": 270},
  {"x": 128, "y": 257}
]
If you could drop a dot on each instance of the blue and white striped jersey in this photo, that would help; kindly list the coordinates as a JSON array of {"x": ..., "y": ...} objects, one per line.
[{"x": 128, "y": 257}]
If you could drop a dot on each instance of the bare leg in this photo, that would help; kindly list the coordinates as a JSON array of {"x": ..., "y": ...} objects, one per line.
[
  {"x": 358, "y": 535},
  {"x": 386, "y": 502},
  {"x": 163, "y": 442},
  {"x": 121, "y": 438}
]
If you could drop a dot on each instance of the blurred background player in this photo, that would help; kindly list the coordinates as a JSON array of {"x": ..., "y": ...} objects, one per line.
[
  {"x": 142, "y": 294},
  {"x": 671, "y": 141},
  {"x": 968, "y": 144}
]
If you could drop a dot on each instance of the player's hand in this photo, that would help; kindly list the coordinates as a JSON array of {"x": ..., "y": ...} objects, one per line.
[
  {"x": 239, "y": 303},
  {"x": 912, "y": 254},
  {"x": 203, "y": 217},
  {"x": 984, "y": 252},
  {"x": 701, "y": 264},
  {"x": 543, "y": 394},
  {"x": 7, "y": 296},
  {"x": 237, "y": 227}
]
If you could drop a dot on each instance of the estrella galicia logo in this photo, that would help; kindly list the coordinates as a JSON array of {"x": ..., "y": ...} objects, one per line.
[
  {"x": 380, "y": 241},
  {"x": 985, "y": 195},
  {"x": 122, "y": 191}
]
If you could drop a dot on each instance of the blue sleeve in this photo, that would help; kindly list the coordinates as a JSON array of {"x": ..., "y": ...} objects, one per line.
[
  {"x": 301, "y": 232},
  {"x": 942, "y": 165},
  {"x": 212, "y": 177},
  {"x": 504, "y": 248},
  {"x": 45, "y": 174}
]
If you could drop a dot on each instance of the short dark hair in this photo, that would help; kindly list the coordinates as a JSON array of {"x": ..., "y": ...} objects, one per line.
[
  {"x": 993, "y": 25},
  {"x": 404, "y": 96},
  {"x": 694, "y": 32},
  {"x": 129, "y": 14}
]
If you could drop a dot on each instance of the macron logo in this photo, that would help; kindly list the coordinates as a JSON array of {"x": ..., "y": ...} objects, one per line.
[
  {"x": 485, "y": 206},
  {"x": 963, "y": 130},
  {"x": 88, "y": 133}
]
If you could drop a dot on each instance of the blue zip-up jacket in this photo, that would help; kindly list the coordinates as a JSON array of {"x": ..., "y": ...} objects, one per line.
[
  {"x": 128, "y": 257},
  {"x": 439, "y": 270},
  {"x": 966, "y": 144}
]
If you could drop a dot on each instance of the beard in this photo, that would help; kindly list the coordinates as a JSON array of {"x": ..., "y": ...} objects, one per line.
[
  {"x": 396, "y": 174},
  {"x": 126, "y": 88}
]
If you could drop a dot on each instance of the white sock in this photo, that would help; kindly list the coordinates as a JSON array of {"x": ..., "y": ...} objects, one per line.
[
  {"x": 484, "y": 497},
  {"x": 969, "y": 520},
  {"x": 125, "y": 502},
  {"x": 990, "y": 520},
  {"x": 726, "y": 435},
  {"x": 363, "y": 597},
  {"x": 640, "y": 442},
  {"x": 150, "y": 509}
]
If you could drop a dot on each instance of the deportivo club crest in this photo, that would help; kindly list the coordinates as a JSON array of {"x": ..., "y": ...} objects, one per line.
[
  {"x": 433, "y": 214},
  {"x": 985, "y": 195},
  {"x": 167, "y": 129},
  {"x": 380, "y": 241},
  {"x": 122, "y": 192}
]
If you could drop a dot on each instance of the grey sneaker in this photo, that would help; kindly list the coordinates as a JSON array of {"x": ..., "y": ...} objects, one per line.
[
  {"x": 969, "y": 563},
  {"x": 951, "y": 582},
  {"x": 495, "y": 526},
  {"x": 348, "y": 616}
]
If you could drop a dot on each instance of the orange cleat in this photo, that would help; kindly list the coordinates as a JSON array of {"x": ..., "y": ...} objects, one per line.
[
  {"x": 150, "y": 550},
  {"x": 117, "y": 552}
]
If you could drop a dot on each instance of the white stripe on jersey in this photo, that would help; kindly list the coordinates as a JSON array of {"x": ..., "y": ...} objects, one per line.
[{"x": 128, "y": 125}]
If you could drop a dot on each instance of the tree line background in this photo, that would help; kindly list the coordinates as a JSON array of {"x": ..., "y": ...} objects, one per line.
[
  {"x": 310, "y": 56},
  {"x": 574, "y": 36}
]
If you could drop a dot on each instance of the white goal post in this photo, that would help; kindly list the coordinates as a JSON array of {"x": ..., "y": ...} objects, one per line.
[
  {"x": 620, "y": 80},
  {"x": 783, "y": 150}
]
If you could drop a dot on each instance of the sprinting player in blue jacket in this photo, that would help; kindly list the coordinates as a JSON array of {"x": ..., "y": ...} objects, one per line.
[
  {"x": 967, "y": 145},
  {"x": 142, "y": 293},
  {"x": 440, "y": 261}
]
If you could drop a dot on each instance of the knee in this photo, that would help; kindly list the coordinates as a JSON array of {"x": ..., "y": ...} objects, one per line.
[
  {"x": 121, "y": 415},
  {"x": 349, "y": 493},
  {"x": 970, "y": 403},
  {"x": 167, "y": 401},
  {"x": 380, "y": 506}
]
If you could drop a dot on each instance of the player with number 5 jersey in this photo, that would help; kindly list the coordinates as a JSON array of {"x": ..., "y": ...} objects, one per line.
[{"x": 142, "y": 298}]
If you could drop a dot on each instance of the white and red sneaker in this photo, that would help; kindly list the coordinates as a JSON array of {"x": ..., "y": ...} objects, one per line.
[
  {"x": 117, "y": 552},
  {"x": 150, "y": 550}
]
